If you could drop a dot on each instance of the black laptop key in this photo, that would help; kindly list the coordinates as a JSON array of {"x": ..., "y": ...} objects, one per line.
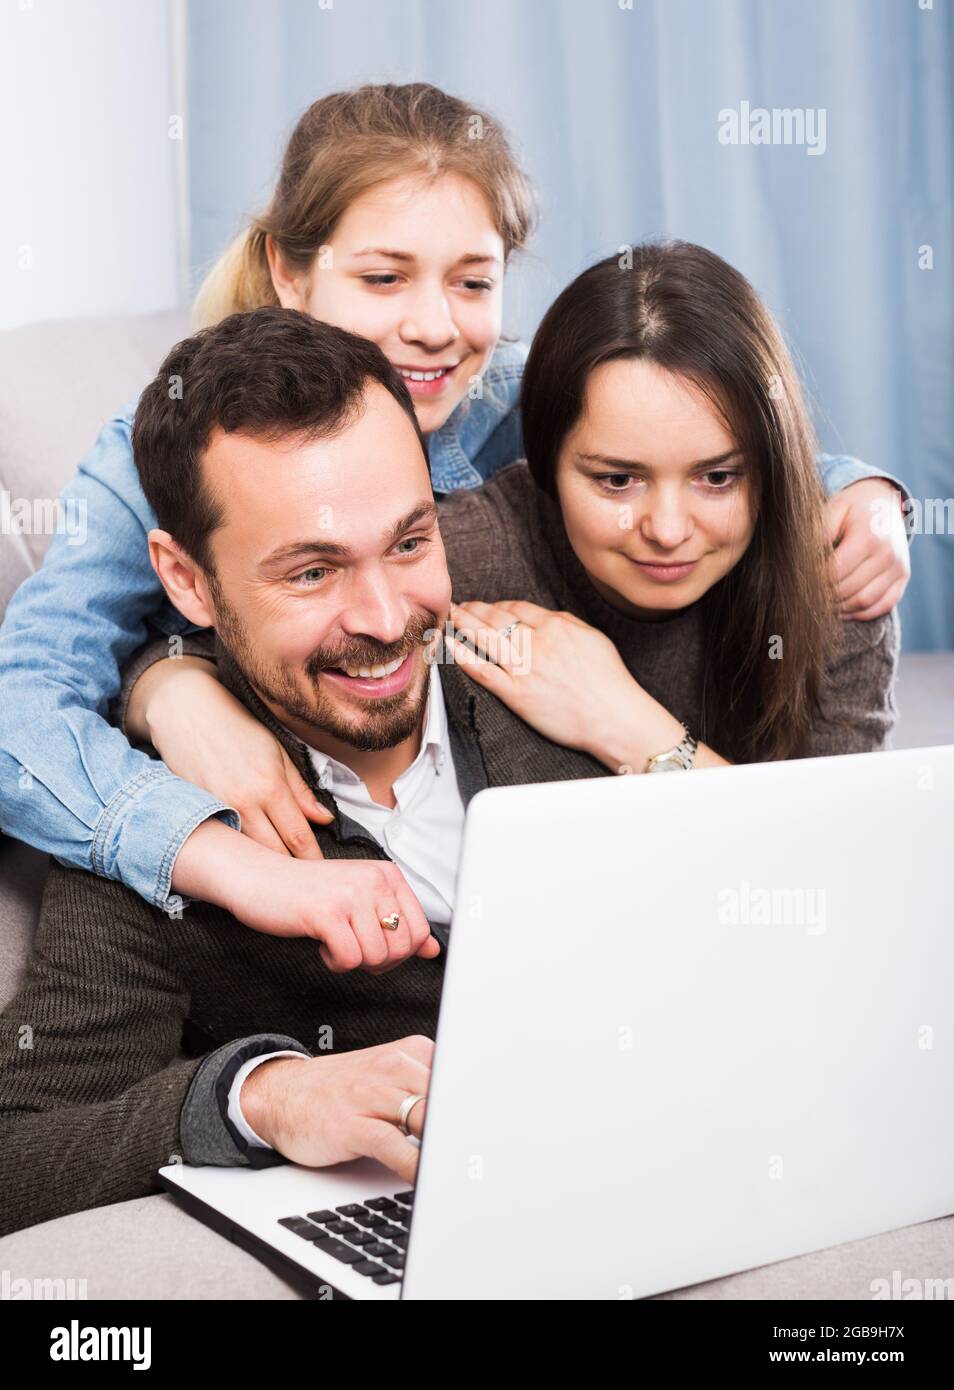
[
  {"x": 337, "y": 1251},
  {"x": 368, "y": 1267},
  {"x": 323, "y": 1216},
  {"x": 398, "y": 1238},
  {"x": 371, "y": 1223},
  {"x": 340, "y": 1228},
  {"x": 397, "y": 1223},
  {"x": 387, "y": 1279},
  {"x": 396, "y": 1261},
  {"x": 381, "y": 1204},
  {"x": 356, "y": 1237},
  {"x": 406, "y": 1197},
  {"x": 378, "y": 1249},
  {"x": 352, "y": 1209},
  {"x": 299, "y": 1225}
]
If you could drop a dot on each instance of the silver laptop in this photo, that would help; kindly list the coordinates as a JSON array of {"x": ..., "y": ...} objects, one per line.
[{"x": 690, "y": 1025}]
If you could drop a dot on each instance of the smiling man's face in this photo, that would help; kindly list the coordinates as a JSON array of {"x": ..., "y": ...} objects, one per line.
[{"x": 328, "y": 571}]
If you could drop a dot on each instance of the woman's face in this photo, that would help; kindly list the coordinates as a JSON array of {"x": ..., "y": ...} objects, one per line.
[
  {"x": 417, "y": 267},
  {"x": 656, "y": 498}
]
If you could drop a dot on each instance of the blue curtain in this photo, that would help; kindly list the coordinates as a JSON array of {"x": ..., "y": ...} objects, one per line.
[{"x": 615, "y": 108}]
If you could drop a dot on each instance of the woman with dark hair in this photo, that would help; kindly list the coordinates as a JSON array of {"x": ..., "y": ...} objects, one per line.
[{"x": 668, "y": 528}]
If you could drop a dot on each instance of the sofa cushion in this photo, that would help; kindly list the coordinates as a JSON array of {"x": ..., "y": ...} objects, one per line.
[
  {"x": 147, "y": 1248},
  {"x": 150, "y": 1248}
]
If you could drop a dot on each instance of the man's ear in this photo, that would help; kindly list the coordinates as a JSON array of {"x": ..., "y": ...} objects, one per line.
[
  {"x": 182, "y": 579},
  {"x": 288, "y": 287}
]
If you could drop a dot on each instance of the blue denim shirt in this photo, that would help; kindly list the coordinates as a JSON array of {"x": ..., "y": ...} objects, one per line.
[{"x": 70, "y": 783}]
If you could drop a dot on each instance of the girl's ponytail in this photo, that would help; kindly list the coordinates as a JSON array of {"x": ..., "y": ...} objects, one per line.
[{"x": 239, "y": 280}]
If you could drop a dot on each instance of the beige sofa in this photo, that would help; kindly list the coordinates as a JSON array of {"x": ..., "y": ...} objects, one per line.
[{"x": 60, "y": 382}]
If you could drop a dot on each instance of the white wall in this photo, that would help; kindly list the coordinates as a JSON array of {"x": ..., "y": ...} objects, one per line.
[{"x": 91, "y": 220}]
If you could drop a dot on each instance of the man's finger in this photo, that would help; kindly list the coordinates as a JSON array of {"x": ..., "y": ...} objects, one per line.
[
  {"x": 416, "y": 1045},
  {"x": 385, "y": 1142},
  {"x": 389, "y": 1099}
]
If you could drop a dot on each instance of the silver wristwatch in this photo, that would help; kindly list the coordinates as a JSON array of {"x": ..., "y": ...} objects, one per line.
[{"x": 678, "y": 759}]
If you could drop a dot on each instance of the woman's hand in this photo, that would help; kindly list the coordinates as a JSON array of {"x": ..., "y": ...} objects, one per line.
[
  {"x": 203, "y": 734},
  {"x": 559, "y": 674},
  {"x": 569, "y": 682},
  {"x": 871, "y": 559},
  {"x": 340, "y": 903}
]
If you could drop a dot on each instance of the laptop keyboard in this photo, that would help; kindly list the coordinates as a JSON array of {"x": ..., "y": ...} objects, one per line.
[{"x": 369, "y": 1236}]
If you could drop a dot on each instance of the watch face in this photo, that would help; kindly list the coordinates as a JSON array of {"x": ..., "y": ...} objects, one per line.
[{"x": 666, "y": 763}]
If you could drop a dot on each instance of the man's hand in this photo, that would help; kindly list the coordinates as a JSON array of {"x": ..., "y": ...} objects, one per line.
[
  {"x": 322, "y": 1110},
  {"x": 339, "y": 902},
  {"x": 871, "y": 559}
]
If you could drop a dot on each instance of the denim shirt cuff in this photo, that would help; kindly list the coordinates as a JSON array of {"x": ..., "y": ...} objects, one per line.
[
  {"x": 838, "y": 471},
  {"x": 144, "y": 826}
]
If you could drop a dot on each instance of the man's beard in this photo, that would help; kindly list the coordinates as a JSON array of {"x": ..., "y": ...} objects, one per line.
[{"x": 382, "y": 722}]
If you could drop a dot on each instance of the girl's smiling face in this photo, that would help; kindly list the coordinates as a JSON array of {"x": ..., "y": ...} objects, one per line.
[
  {"x": 655, "y": 494},
  {"x": 417, "y": 266}
]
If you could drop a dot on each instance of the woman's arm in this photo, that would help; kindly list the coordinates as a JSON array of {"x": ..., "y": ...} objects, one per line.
[
  {"x": 203, "y": 734},
  {"x": 70, "y": 783}
]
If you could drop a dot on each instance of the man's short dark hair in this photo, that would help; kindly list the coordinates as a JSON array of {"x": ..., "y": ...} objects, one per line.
[{"x": 271, "y": 373}]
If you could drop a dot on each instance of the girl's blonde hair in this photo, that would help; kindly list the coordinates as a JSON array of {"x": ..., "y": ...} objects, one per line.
[{"x": 343, "y": 146}]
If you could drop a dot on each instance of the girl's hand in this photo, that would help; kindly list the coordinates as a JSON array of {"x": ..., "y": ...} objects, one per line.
[
  {"x": 340, "y": 903},
  {"x": 203, "y": 734},
  {"x": 871, "y": 559},
  {"x": 555, "y": 671}
]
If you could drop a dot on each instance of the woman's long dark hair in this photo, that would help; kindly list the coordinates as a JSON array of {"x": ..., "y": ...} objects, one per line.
[{"x": 686, "y": 310}]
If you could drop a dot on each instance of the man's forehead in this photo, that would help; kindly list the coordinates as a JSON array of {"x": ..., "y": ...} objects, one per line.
[
  {"x": 345, "y": 537},
  {"x": 303, "y": 491}
]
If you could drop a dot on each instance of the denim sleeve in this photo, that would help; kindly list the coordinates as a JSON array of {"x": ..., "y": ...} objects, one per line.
[
  {"x": 70, "y": 783},
  {"x": 839, "y": 471}
]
